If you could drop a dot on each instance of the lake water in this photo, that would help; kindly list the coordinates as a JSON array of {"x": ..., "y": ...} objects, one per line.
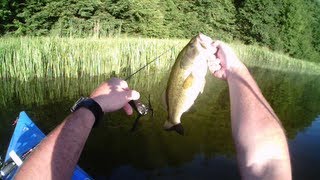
[{"x": 205, "y": 152}]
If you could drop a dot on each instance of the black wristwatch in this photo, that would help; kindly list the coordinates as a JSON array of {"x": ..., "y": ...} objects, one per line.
[{"x": 90, "y": 104}]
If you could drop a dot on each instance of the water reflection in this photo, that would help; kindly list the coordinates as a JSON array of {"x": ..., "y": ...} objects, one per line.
[
  {"x": 304, "y": 149},
  {"x": 151, "y": 152},
  {"x": 200, "y": 167}
]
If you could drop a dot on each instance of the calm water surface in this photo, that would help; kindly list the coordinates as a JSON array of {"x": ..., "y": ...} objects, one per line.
[{"x": 205, "y": 152}]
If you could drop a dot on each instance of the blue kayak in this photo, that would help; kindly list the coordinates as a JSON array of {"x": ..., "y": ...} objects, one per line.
[{"x": 25, "y": 138}]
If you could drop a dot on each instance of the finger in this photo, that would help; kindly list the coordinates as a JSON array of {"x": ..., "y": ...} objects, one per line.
[
  {"x": 219, "y": 74},
  {"x": 214, "y": 68},
  {"x": 217, "y": 43},
  {"x": 214, "y": 63},
  {"x": 128, "y": 109},
  {"x": 124, "y": 84},
  {"x": 132, "y": 95}
]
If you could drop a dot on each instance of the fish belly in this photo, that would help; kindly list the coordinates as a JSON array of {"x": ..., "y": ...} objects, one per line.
[{"x": 185, "y": 100}]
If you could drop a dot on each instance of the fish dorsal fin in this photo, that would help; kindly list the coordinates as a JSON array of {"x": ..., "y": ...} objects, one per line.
[{"x": 188, "y": 82}]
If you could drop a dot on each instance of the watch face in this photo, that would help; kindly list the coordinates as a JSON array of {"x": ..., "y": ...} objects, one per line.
[{"x": 74, "y": 107}]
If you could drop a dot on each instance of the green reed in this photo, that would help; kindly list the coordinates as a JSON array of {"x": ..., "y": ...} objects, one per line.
[
  {"x": 255, "y": 56},
  {"x": 26, "y": 58}
]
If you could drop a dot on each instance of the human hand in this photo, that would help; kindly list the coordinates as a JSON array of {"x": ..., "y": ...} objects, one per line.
[
  {"x": 114, "y": 95},
  {"x": 225, "y": 62}
]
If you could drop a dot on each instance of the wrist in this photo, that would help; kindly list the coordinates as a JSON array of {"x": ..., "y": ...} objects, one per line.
[
  {"x": 99, "y": 101},
  {"x": 237, "y": 71},
  {"x": 91, "y": 105},
  {"x": 87, "y": 116}
]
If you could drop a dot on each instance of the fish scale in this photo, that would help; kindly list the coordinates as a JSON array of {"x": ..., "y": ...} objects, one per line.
[{"x": 187, "y": 79}]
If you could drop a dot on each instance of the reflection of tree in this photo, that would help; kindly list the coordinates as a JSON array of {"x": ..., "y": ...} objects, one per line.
[{"x": 294, "y": 97}]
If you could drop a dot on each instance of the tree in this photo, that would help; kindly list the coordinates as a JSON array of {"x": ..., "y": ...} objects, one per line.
[
  {"x": 296, "y": 30},
  {"x": 285, "y": 25},
  {"x": 315, "y": 13},
  {"x": 218, "y": 17},
  {"x": 259, "y": 21},
  {"x": 4, "y": 16},
  {"x": 8, "y": 14},
  {"x": 142, "y": 17}
]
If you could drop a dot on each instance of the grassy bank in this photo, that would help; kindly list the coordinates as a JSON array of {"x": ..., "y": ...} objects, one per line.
[{"x": 26, "y": 58}]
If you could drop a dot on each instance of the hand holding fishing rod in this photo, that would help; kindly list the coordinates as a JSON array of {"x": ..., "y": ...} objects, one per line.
[
  {"x": 116, "y": 89},
  {"x": 114, "y": 95}
]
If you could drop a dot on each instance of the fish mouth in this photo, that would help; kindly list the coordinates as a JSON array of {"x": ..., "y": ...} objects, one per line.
[
  {"x": 210, "y": 49},
  {"x": 207, "y": 43}
]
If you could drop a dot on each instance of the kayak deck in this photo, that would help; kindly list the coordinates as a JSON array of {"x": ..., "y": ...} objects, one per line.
[{"x": 27, "y": 136}]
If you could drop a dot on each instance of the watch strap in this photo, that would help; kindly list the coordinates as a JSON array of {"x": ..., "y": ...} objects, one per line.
[{"x": 91, "y": 105}]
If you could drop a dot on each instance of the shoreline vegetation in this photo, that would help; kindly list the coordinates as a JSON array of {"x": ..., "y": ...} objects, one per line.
[{"x": 27, "y": 58}]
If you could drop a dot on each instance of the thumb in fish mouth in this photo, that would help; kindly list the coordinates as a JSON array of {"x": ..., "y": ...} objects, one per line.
[
  {"x": 214, "y": 64},
  {"x": 178, "y": 128}
]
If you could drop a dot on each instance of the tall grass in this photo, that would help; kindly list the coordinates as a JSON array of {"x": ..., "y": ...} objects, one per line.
[
  {"x": 255, "y": 56},
  {"x": 26, "y": 58}
]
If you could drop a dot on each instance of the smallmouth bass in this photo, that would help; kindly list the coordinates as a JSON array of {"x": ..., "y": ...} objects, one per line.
[{"x": 187, "y": 79}]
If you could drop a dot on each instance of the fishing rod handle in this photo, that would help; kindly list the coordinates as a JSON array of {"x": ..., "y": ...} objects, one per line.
[
  {"x": 138, "y": 106},
  {"x": 7, "y": 169}
]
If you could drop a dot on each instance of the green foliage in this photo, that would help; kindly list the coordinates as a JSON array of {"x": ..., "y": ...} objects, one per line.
[
  {"x": 140, "y": 17},
  {"x": 258, "y": 21},
  {"x": 9, "y": 11},
  {"x": 27, "y": 58},
  {"x": 217, "y": 18},
  {"x": 4, "y": 15},
  {"x": 287, "y": 25},
  {"x": 315, "y": 10},
  {"x": 290, "y": 26},
  {"x": 152, "y": 18}
]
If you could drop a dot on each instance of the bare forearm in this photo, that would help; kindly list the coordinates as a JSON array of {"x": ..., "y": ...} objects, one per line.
[
  {"x": 58, "y": 154},
  {"x": 259, "y": 137}
]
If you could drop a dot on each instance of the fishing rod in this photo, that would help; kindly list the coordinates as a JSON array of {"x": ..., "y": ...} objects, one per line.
[
  {"x": 137, "y": 105},
  {"x": 147, "y": 64},
  {"x": 12, "y": 162}
]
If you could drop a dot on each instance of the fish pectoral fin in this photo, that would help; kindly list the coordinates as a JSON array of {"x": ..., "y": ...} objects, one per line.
[{"x": 188, "y": 82}]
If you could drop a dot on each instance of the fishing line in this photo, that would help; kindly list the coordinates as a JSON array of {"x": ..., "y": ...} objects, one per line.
[
  {"x": 139, "y": 107},
  {"x": 141, "y": 68}
]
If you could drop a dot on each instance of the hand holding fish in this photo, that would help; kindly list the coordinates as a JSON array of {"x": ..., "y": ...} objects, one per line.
[
  {"x": 257, "y": 131},
  {"x": 225, "y": 61},
  {"x": 114, "y": 95}
]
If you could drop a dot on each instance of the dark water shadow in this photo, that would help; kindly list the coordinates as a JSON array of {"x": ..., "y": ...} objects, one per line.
[{"x": 151, "y": 151}]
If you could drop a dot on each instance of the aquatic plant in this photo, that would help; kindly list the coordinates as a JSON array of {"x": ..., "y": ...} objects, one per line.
[{"x": 26, "y": 58}]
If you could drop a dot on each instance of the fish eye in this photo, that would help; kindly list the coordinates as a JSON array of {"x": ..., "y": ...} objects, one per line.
[{"x": 203, "y": 46}]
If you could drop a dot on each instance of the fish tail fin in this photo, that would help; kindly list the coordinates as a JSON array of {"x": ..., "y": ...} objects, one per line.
[{"x": 168, "y": 126}]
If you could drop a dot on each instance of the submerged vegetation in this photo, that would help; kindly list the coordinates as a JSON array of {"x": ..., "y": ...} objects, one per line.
[{"x": 26, "y": 58}]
